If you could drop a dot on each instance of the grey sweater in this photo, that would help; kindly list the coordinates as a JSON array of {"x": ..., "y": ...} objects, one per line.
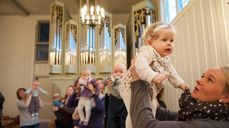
[
  {"x": 142, "y": 117},
  {"x": 25, "y": 117}
]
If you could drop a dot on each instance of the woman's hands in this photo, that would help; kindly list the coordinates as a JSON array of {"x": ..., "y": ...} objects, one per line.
[
  {"x": 55, "y": 108},
  {"x": 75, "y": 115},
  {"x": 184, "y": 86},
  {"x": 91, "y": 88}
]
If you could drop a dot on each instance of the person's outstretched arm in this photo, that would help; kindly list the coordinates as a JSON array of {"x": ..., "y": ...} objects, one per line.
[
  {"x": 142, "y": 117},
  {"x": 140, "y": 108}
]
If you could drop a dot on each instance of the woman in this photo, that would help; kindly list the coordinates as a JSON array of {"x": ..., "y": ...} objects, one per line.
[
  {"x": 26, "y": 120},
  {"x": 97, "y": 113},
  {"x": 206, "y": 107},
  {"x": 64, "y": 113}
]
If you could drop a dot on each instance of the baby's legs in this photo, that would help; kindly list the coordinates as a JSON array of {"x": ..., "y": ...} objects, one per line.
[
  {"x": 37, "y": 105},
  {"x": 34, "y": 105},
  {"x": 125, "y": 92},
  {"x": 153, "y": 92},
  {"x": 127, "y": 103},
  {"x": 88, "y": 106},
  {"x": 126, "y": 96},
  {"x": 84, "y": 102},
  {"x": 80, "y": 109}
]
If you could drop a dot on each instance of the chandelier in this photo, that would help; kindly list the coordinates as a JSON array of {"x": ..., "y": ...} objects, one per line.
[{"x": 91, "y": 14}]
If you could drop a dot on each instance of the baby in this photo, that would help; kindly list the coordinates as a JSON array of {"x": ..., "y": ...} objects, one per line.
[
  {"x": 34, "y": 105},
  {"x": 152, "y": 64},
  {"x": 115, "y": 115},
  {"x": 85, "y": 100},
  {"x": 57, "y": 100}
]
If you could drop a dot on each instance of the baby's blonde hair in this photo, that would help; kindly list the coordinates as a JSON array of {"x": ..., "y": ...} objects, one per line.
[
  {"x": 86, "y": 70},
  {"x": 120, "y": 66},
  {"x": 153, "y": 30}
]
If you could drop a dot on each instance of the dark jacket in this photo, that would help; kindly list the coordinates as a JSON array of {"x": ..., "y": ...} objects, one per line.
[
  {"x": 86, "y": 91},
  {"x": 64, "y": 114},
  {"x": 2, "y": 99},
  {"x": 97, "y": 114}
]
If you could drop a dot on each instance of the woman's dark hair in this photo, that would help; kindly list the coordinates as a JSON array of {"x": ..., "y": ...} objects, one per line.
[
  {"x": 72, "y": 86},
  {"x": 76, "y": 81},
  {"x": 18, "y": 90}
]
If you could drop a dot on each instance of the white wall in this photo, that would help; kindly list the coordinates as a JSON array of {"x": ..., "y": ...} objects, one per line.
[{"x": 202, "y": 41}]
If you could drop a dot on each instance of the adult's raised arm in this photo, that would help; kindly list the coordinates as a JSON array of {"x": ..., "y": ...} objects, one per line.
[{"x": 142, "y": 117}]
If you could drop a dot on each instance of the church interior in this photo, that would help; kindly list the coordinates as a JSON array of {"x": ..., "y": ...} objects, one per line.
[{"x": 55, "y": 40}]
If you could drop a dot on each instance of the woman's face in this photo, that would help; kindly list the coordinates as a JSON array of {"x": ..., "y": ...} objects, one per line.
[
  {"x": 209, "y": 88},
  {"x": 22, "y": 94},
  {"x": 69, "y": 91},
  {"x": 163, "y": 44}
]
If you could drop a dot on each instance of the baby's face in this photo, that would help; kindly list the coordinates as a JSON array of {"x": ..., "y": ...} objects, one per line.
[
  {"x": 118, "y": 72},
  {"x": 86, "y": 74},
  {"x": 163, "y": 44},
  {"x": 56, "y": 96},
  {"x": 35, "y": 85}
]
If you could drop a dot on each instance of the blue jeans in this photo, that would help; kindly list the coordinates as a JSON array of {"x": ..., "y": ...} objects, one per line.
[{"x": 32, "y": 126}]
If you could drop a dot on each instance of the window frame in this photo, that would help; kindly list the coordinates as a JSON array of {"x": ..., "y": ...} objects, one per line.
[
  {"x": 163, "y": 9},
  {"x": 38, "y": 43}
]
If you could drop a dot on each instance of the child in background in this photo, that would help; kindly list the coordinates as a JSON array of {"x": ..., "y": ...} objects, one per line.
[
  {"x": 116, "y": 113},
  {"x": 85, "y": 100},
  {"x": 153, "y": 65},
  {"x": 57, "y": 100},
  {"x": 34, "y": 105}
]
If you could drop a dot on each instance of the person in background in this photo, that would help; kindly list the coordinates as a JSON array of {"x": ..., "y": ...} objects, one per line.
[
  {"x": 85, "y": 96},
  {"x": 57, "y": 100},
  {"x": 35, "y": 90},
  {"x": 26, "y": 119},
  {"x": 64, "y": 112},
  {"x": 116, "y": 115},
  {"x": 207, "y": 106},
  {"x": 2, "y": 99},
  {"x": 97, "y": 113},
  {"x": 103, "y": 95}
]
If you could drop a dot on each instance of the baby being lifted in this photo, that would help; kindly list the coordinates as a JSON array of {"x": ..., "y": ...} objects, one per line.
[
  {"x": 152, "y": 64},
  {"x": 86, "y": 101}
]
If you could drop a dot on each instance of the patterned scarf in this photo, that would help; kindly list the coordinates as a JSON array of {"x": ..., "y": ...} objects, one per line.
[
  {"x": 160, "y": 64},
  {"x": 191, "y": 109}
]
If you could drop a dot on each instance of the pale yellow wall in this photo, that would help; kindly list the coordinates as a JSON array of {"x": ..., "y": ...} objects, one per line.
[
  {"x": 120, "y": 18},
  {"x": 17, "y": 41},
  {"x": 202, "y": 41}
]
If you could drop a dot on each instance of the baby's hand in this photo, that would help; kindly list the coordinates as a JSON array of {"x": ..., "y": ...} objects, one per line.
[
  {"x": 158, "y": 79},
  {"x": 184, "y": 86}
]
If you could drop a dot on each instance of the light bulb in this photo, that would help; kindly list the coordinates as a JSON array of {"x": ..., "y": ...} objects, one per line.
[
  {"x": 98, "y": 9},
  {"x": 102, "y": 13},
  {"x": 92, "y": 10}
]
